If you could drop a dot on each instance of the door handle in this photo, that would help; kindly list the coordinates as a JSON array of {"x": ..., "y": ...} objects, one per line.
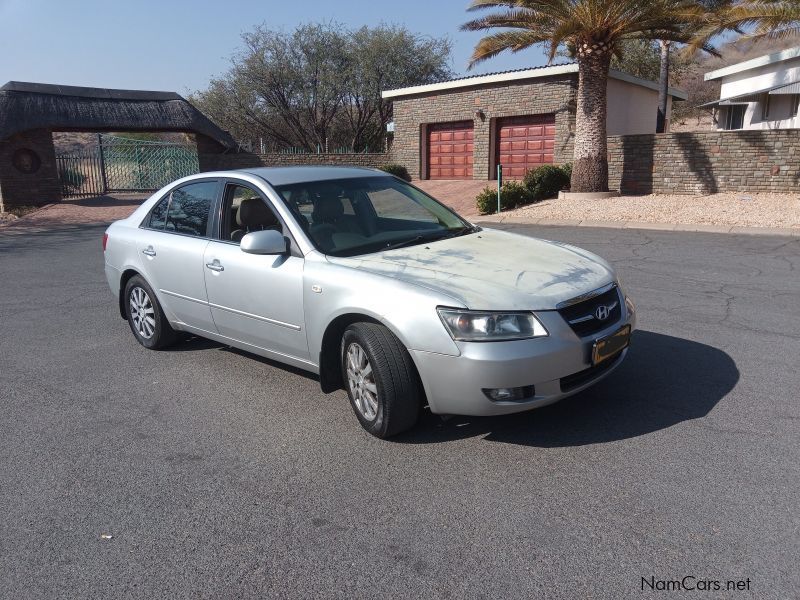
[
  {"x": 215, "y": 266},
  {"x": 149, "y": 251}
]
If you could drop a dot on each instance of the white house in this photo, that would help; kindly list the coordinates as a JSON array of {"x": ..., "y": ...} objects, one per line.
[{"x": 762, "y": 93}]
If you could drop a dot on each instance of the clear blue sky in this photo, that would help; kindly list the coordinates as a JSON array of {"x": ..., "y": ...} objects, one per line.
[{"x": 178, "y": 45}]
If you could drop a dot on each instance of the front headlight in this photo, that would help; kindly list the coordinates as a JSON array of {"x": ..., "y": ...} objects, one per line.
[{"x": 482, "y": 326}]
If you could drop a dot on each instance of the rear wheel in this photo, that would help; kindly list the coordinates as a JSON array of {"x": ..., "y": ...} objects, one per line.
[
  {"x": 145, "y": 316},
  {"x": 380, "y": 379}
]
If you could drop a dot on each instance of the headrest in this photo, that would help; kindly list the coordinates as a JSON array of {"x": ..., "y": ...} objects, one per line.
[
  {"x": 253, "y": 212},
  {"x": 327, "y": 210}
]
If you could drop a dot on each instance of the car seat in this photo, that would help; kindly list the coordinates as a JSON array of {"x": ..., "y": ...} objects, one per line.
[{"x": 253, "y": 215}]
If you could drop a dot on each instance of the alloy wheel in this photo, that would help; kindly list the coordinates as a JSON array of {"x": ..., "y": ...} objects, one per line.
[
  {"x": 361, "y": 381},
  {"x": 142, "y": 313}
]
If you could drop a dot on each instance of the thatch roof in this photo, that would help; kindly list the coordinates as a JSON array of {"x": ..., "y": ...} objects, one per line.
[{"x": 25, "y": 106}]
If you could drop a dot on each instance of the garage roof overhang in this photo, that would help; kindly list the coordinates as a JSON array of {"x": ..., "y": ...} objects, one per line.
[
  {"x": 755, "y": 96},
  {"x": 518, "y": 76}
]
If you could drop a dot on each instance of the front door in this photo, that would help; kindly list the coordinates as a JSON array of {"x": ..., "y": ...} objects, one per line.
[{"x": 256, "y": 300}]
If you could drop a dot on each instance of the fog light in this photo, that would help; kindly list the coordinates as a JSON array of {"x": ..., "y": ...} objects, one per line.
[{"x": 510, "y": 394}]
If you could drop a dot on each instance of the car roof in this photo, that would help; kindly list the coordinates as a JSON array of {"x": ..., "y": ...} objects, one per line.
[{"x": 278, "y": 176}]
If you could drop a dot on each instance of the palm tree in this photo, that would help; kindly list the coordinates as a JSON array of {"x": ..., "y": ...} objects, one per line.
[
  {"x": 760, "y": 19},
  {"x": 591, "y": 30}
]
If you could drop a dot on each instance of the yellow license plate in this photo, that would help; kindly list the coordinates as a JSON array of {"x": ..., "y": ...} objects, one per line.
[{"x": 607, "y": 347}]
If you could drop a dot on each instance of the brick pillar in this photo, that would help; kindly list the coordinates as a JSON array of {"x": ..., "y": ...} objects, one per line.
[
  {"x": 28, "y": 173},
  {"x": 208, "y": 152}
]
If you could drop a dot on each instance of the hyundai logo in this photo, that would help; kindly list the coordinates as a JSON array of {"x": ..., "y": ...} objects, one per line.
[{"x": 602, "y": 312}]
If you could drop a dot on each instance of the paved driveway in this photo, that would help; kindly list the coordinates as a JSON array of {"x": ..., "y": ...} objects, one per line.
[{"x": 222, "y": 475}]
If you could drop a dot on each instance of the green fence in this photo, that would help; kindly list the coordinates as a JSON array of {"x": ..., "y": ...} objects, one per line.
[{"x": 119, "y": 164}]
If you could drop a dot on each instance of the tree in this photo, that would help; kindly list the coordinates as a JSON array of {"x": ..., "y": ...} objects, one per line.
[
  {"x": 712, "y": 7},
  {"x": 592, "y": 30},
  {"x": 761, "y": 19},
  {"x": 320, "y": 86},
  {"x": 382, "y": 58}
]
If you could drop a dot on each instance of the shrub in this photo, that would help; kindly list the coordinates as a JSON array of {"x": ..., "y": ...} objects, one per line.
[
  {"x": 546, "y": 181},
  {"x": 486, "y": 202},
  {"x": 396, "y": 170},
  {"x": 512, "y": 194}
]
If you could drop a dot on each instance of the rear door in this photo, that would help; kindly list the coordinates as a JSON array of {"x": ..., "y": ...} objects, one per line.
[
  {"x": 256, "y": 300},
  {"x": 171, "y": 244}
]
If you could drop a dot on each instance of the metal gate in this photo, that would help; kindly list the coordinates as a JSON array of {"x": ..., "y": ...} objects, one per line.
[{"x": 121, "y": 164}]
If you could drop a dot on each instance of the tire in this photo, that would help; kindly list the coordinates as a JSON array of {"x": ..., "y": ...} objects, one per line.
[
  {"x": 146, "y": 317},
  {"x": 386, "y": 399}
]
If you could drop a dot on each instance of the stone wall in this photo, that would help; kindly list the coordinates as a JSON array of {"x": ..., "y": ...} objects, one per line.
[
  {"x": 540, "y": 96},
  {"x": 705, "y": 162},
  {"x": 244, "y": 160},
  {"x": 28, "y": 173}
]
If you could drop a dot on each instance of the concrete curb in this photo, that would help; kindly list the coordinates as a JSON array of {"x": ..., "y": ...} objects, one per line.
[{"x": 697, "y": 227}]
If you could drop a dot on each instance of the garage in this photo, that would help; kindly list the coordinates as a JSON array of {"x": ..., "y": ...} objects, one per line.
[
  {"x": 525, "y": 143},
  {"x": 450, "y": 150}
]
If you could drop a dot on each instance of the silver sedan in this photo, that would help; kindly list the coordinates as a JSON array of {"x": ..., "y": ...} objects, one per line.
[{"x": 367, "y": 281}]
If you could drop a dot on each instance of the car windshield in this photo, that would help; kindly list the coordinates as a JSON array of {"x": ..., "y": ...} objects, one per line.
[{"x": 347, "y": 217}]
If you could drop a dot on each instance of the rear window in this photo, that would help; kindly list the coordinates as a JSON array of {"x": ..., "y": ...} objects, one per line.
[{"x": 186, "y": 210}]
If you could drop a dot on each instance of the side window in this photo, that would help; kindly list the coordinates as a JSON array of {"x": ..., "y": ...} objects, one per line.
[
  {"x": 190, "y": 208},
  {"x": 158, "y": 216},
  {"x": 245, "y": 211}
]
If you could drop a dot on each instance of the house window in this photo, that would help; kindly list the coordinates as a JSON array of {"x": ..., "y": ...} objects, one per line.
[
  {"x": 795, "y": 104},
  {"x": 765, "y": 107},
  {"x": 734, "y": 118}
]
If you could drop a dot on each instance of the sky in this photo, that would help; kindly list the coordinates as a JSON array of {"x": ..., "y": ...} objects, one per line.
[{"x": 179, "y": 45}]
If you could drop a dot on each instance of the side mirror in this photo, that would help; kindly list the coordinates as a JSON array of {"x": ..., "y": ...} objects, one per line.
[{"x": 268, "y": 241}]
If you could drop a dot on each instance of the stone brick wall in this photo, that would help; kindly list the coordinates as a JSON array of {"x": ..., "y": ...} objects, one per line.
[
  {"x": 33, "y": 150},
  {"x": 541, "y": 96},
  {"x": 244, "y": 160},
  {"x": 705, "y": 162}
]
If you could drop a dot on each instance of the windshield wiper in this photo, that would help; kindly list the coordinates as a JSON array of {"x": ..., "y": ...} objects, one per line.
[
  {"x": 439, "y": 235},
  {"x": 405, "y": 243}
]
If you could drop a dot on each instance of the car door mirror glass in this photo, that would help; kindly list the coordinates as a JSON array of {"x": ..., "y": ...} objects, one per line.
[{"x": 268, "y": 241}]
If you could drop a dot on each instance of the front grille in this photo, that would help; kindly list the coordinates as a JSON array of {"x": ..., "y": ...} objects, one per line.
[
  {"x": 576, "y": 380},
  {"x": 583, "y": 316}
]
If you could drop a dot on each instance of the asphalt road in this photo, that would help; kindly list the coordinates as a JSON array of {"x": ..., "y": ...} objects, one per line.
[{"x": 222, "y": 475}]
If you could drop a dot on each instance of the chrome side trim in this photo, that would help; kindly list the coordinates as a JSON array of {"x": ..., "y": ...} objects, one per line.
[
  {"x": 182, "y": 297},
  {"x": 233, "y": 310},
  {"x": 586, "y": 296},
  {"x": 256, "y": 317}
]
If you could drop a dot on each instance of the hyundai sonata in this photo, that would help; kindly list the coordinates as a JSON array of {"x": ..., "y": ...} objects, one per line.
[{"x": 367, "y": 281}]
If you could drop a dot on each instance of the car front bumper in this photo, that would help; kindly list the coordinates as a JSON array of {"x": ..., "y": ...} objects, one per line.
[{"x": 455, "y": 384}]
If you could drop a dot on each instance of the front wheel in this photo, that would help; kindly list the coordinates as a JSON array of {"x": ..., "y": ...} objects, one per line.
[
  {"x": 145, "y": 316},
  {"x": 380, "y": 379}
]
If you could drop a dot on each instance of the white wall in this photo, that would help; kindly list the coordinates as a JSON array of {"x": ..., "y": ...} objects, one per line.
[
  {"x": 632, "y": 109},
  {"x": 758, "y": 79},
  {"x": 761, "y": 78}
]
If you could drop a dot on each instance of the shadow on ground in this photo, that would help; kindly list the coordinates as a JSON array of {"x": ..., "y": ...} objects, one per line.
[
  {"x": 193, "y": 343},
  {"x": 664, "y": 381}
]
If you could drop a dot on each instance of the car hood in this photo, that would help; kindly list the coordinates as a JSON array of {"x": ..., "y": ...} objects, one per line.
[{"x": 493, "y": 270}]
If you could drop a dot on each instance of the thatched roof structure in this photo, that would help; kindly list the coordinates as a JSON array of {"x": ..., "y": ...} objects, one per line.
[{"x": 25, "y": 106}]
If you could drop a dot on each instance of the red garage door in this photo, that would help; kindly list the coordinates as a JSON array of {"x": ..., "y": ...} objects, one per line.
[
  {"x": 525, "y": 143},
  {"x": 450, "y": 150}
]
